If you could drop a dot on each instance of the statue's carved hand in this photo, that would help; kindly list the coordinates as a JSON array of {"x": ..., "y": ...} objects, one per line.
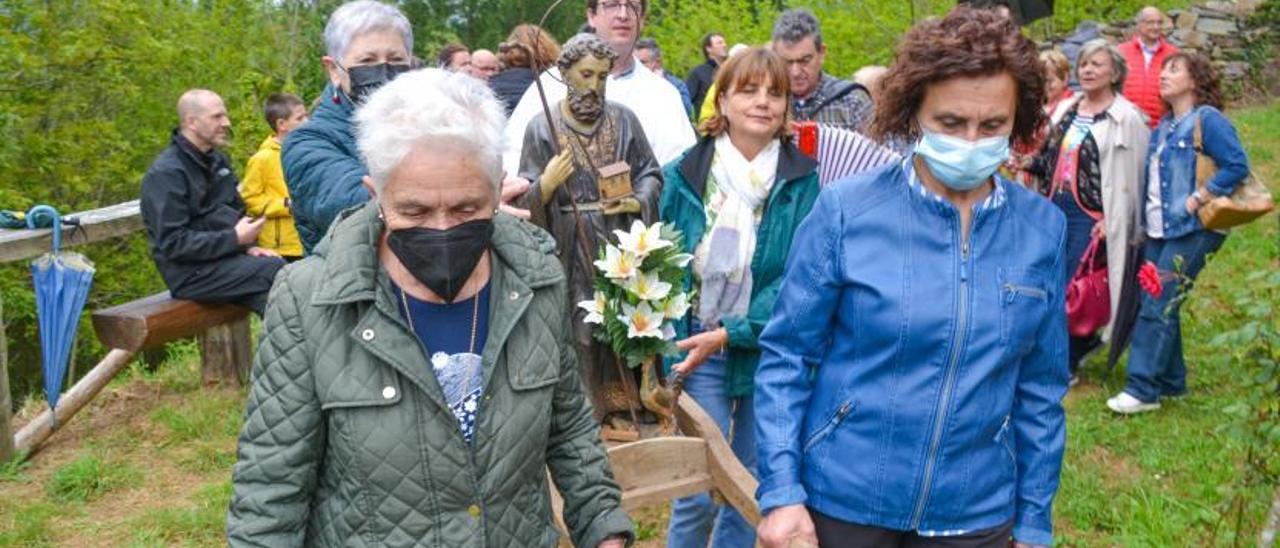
[{"x": 623, "y": 206}]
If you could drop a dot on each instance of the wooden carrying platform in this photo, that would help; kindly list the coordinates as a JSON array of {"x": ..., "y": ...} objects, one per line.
[{"x": 655, "y": 470}]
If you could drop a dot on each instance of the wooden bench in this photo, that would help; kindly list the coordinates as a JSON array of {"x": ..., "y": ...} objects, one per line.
[
  {"x": 655, "y": 470},
  {"x": 150, "y": 322}
]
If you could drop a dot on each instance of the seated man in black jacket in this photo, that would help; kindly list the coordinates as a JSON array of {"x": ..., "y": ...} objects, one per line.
[{"x": 201, "y": 240}]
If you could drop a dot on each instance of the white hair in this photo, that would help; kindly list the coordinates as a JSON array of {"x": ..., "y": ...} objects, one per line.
[
  {"x": 430, "y": 107},
  {"x": 356, "y": 18}
]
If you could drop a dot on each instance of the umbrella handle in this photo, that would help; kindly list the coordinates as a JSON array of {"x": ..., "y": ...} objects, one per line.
[{"x": 42, "y": 211}]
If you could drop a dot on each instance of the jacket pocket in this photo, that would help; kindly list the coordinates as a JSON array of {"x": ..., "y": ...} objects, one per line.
[
  {"x": 830, "y": 425},
  {"x": 1002, "y": 438},
  {"x": 1024, "y": 303},
  {"x": 533, "y": 357}
]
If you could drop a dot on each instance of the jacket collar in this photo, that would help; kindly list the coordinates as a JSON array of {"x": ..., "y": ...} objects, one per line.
[
  {"x": 351, "y": 271},
  {"x": 203, "y": 159},
  {"x": 270, "y": 143},
  {"x": 696, "y": 164}
]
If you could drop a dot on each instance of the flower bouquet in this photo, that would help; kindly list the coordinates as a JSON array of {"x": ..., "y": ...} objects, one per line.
[{"x": 640, "y": 292}]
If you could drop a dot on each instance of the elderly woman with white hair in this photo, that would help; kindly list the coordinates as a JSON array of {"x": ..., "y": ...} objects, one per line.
[
  {"x": 1091, "y": 164},
  {"x": 416, "y": 380},
  {"x": 367, "y": 44}
]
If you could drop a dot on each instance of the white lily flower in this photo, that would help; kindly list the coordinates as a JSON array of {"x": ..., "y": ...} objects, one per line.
[
  {"x": 682, "y": 260},
  {"x": 641, "y": 321},
  {"x": 675, "y": 307},
  {"x": 641, "y": 241},
  {"x": 648, "y": 286},
  {"x": 617, "y": 264},
  {"x": 594, "y": 308}
]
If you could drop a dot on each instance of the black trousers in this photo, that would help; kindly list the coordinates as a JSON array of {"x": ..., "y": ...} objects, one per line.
[
  {"x": 241, "y": 280},
  {"x": 833, "y": 533}
]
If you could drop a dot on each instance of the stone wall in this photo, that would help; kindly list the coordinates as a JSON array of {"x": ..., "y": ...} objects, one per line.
[{"x": 1218, "y": 29}]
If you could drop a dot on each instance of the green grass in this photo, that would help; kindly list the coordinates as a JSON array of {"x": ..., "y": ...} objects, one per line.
[
  {"x": 199, "y": 523},
  {"x": 89, "y": 478},
  {"x": 1158, "y": 479}
]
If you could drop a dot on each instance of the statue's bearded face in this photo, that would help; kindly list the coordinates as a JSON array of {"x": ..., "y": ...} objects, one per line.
[{"x": 586, "y": 81}]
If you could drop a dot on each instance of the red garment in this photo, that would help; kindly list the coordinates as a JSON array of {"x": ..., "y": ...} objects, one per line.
[{"x": 1142, "y": 86}]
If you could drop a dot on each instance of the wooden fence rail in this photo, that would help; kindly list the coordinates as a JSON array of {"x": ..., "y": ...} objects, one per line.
[{"x": 17, "y": 245}]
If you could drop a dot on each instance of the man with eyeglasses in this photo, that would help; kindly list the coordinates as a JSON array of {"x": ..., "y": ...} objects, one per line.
[
  {"x": 654, "y": 101},
  {"x": 816, "y": 95},
  {"x": 1145, "y": 55}
]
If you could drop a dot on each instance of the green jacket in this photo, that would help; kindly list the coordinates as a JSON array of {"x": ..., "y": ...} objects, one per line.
[
  {"x": 789, "y": 202},
  {"x": 348, "y": 441}
]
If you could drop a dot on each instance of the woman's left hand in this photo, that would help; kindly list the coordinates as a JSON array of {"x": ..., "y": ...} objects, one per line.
[
  {"x": 613, "y": 542},
  {"x": 1193, "y": 203},
  {"x": 700, "y": 348},
  {"x": 1099, "y": 230}
]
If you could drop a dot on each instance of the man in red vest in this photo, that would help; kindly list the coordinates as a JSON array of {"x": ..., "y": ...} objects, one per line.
[{"x": 1145, "y": 55}]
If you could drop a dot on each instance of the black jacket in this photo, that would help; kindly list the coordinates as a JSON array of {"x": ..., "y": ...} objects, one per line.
[
  {"x": 190, "y": 207},
  {"x": 699, "y": 81},
  {"x": 510, "y": 85}
]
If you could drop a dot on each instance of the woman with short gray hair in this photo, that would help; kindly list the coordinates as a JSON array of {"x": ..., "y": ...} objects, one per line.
[
  {"x": 1091, "y": 167},
  {"x": 416, "y": 379},
  {"x": 367, "y": 44}
]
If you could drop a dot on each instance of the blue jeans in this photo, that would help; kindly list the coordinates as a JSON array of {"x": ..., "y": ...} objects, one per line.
[
  {"x": 1079, "y": 234},
  {"x": 1156, "y": 365},
  {"x": 692, "y": 517}
]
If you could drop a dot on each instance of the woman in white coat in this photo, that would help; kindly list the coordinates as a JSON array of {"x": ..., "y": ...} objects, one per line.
[{"x": 1092, "y": 167}]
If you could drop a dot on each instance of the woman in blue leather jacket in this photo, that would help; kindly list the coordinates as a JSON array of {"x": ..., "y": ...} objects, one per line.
[
  {"x": 1177, "y": 243},
  {"x": 910, "y": 383}
]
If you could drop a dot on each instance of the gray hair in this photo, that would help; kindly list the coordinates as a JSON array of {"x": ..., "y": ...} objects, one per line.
[
  {"x": 432, "y": 107},
  {"x": 1118, "y": 65},
  {"x": 582, "y": 45},
  {"x": 1138, "y": 18},
  {"x": 356, "y": 18},
  {"x": 650, "y": 44},
  {"x": 796, "y": 25}
]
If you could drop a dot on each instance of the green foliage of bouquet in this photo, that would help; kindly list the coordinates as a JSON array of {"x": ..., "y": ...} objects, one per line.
[{"x": 639, "y": 286}]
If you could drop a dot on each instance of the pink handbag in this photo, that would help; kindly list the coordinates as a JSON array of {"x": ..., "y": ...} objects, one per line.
[{"x": 1088, "y": 295}]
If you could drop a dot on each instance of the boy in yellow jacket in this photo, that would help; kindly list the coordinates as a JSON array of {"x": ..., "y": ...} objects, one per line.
[{"x": 263, "y": 188}]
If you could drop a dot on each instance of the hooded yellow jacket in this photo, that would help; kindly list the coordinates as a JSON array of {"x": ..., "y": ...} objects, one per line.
[{"x": 265, "y": 194}]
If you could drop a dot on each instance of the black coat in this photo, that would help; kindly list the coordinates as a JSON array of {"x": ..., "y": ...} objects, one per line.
[
  {"x": 190, "y": 207},
  {"x": 699, "y": 81},
  {"x": 510, "y": 85}
]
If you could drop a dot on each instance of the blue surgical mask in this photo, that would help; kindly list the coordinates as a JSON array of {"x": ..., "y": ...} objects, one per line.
[{"x": 961, "y": 164}]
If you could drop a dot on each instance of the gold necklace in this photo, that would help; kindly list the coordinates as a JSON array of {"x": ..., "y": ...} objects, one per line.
[{"x": 475, "y": 318}]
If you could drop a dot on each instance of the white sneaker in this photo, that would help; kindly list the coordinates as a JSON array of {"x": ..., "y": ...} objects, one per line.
[{"x": 1125, "y": 403}]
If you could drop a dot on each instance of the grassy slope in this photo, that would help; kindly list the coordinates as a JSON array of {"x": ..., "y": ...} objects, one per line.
[{"x": 149, "y": 463}]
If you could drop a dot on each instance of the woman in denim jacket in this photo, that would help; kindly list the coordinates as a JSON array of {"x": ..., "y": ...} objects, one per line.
[
  {"x": 1177, "y": 243},
  {"x": 910, "y": 382}
]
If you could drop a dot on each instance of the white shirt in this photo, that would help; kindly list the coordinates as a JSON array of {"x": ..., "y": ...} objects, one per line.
[
  {"x": 1155, "y": 200},
  {"x": 653, "y": 100}
]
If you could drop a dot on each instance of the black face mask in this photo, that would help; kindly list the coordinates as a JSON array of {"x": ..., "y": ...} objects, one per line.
[
  {"x": 366, "y": 79},
  {"x": 442, "y": 259}
]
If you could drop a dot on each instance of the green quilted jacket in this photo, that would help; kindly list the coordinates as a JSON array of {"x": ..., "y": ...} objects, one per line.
[{"x": 347, "y": 438}]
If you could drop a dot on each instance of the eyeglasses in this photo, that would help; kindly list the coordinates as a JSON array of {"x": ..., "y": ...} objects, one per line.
[{"x": 615, "y": 6}]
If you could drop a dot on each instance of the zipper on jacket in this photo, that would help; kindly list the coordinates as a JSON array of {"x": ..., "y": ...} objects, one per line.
[
  {"x": 949, "y": 380},
  {"x": 830, "y": 426},
  {"x": 1013, "y": 290}
]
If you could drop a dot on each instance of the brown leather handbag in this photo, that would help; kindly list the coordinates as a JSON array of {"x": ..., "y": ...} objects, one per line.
[{"x": 1247, "y": 202}]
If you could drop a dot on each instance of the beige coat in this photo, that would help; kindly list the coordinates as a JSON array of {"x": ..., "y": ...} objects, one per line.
[{"x": 1122, "y": 144}]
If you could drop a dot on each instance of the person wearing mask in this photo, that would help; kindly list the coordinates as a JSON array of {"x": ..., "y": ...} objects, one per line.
[
  {"x": 367, "y": 44},
  {"x": 737, "y": 196},
  {"x": 911, "y": 376},
  {"x": 455, "y": 58},
  {"x": 484, "y": 64},
  {"x": 1145, "y": 55},
  {"x": 1177, "y": 243},
  {"x": 200, "y": 237},
  {"x": 631, "y": 84},
  {"x": 263, "y": 188},
  {"x": 1091, "y": 167},
  {"x": 416, "y": 383},
  {"x": 714, "y": 52},
  {"x": 818, "y": 96},
  {"x": 650, "y": 55},
  {"x": 528, "y": 50}
]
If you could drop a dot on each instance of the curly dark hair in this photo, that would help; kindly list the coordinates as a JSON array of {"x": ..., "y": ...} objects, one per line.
[
  {"x": 582, "y": 45},
  {"x": 968, "y": 42},
  {"x": 1208, "y": 87}
]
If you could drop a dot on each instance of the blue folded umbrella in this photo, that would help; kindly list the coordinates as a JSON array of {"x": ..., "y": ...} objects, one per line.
[{"x": 62, "y": 280}]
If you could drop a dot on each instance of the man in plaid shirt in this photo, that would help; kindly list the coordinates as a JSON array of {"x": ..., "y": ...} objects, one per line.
[{"x": 816, "y": 95}]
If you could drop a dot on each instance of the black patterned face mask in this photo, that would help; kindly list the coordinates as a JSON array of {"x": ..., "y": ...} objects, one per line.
[
  {"x": 442, "y": 259},
  {"x": 366, "y": 79}
]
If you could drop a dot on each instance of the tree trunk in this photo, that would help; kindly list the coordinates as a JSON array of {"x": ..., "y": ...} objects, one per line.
[{"x": 6, "y": 401}]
